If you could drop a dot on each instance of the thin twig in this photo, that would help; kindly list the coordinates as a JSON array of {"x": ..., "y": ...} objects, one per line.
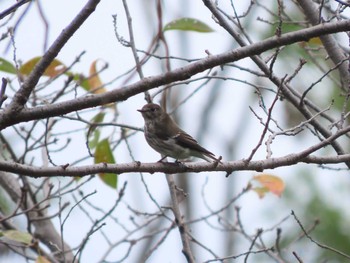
[
  {"x": 3, "y": 95},
  {"x": 316, "y": 242},
  {"x": 13, "y": 8},
  {"x": 179, "y": 220}
]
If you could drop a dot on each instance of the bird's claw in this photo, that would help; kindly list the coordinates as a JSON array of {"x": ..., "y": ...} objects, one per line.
[{"x": 217, "y": 161}]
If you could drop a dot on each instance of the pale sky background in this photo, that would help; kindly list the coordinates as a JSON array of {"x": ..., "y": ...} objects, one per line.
[{"x": 97, "y": 38}]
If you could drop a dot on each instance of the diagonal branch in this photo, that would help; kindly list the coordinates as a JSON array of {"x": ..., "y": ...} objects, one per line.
[
  {"x": 45, "y": 230},
  {"x": 22, "y": 95},
  {"x": 13, "y": 8},
  {"x": 335, "y": 53},
  {"x": 291, "y": 95},
  {"x": 7, "y": 119}
]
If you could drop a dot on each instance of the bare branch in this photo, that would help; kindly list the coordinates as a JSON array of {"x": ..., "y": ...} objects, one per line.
[
  {"x": 29, "y": 84},
  {"x": 334, "y": 51},
  {"x": 316, "y": 242},
  {"x": 13, "y": 8},
  {"x": 183, "y": 73}
]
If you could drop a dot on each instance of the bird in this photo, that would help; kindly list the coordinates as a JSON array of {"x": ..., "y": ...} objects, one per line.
[{"x": 168, "y": 139}]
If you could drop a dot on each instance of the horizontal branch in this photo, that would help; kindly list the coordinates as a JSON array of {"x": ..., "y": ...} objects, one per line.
[
  {"x": 178, "y": 74},
  {"x": 196, "y": 167},
  {"x": 170, "y": 168}
]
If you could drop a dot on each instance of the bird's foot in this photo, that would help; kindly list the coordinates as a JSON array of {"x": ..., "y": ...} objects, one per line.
[
  {"x": 217, "y": 161},
  {"x": 161, "y": 160}
]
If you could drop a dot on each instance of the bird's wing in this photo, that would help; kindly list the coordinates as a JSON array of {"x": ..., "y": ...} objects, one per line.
[
  {"x": 187, "y": 141},
  {"x": 181, "y": 137}
]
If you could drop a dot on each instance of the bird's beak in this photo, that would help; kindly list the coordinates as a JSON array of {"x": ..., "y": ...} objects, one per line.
[{"x": 141, "y": 110}]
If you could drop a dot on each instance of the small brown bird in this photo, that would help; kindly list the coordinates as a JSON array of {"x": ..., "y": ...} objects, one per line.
[{"x": 164, "y": 136}]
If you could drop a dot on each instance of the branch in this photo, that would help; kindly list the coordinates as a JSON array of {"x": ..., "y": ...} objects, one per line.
[
  {"x": 22, "y": 95},
  {"x": 289, "y": 93},
  {"x": 3, "y": 95},
  {"x": 44, "y": 229},
  {"x": 331, "y": 45},
  {"x": 13, "y": 8},
  {"x": 7, "y": 119},
  {"x": 316, "y": 242},
  {"x": 179, "y": 219},
  {"x": 170, "y": 168}
]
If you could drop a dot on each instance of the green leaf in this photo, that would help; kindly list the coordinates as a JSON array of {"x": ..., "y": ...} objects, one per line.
[
  {"x": 109, "y": 179},
  {"x": 18, "y": 236},
  {"x": 188, "y": 24},
  {"x": 7, "y": 66},
  {"x": 98, "y": 118},
  {"x": 94, "y": 133},
  {"x": 80, "y": 79},
  {"x": 103, "y": 154},
  {"x": 94, "y": 138},
  {"x": 339, "y": 99}
]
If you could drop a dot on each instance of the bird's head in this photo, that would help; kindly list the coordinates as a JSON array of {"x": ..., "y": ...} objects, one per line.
[{"x": 151, "y": 111}]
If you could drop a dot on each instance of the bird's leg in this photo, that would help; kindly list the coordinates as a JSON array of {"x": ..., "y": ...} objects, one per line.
[
  {"x": 161, "y": 160},
  {"x": 217, "y": 161}
]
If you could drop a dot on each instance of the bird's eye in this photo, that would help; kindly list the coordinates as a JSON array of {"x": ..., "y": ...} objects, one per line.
[{"x": 153, "y": 109}]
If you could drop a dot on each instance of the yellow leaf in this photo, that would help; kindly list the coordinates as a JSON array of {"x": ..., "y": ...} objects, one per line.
[
  {"x": 42, "y": 259},
  {"x": 54, "y": 69},
  {"x": 95, "y": 83},
  {"x": 271, "y": 183},
  {"x": 261, "y": 191},
  {"x": 315, "y": 41}
]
